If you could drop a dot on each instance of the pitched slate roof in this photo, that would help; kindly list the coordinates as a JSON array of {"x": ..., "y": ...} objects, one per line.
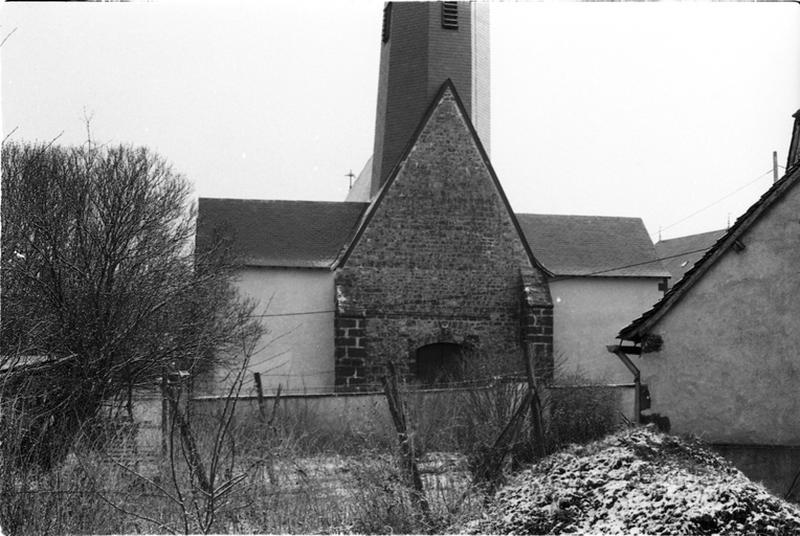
[
  {"x": 302, "y": 234},
  {"x": 310, "y": 234},
  {"x": 637, "y": 329},
  {"x": 592, "y": 245},
  {"x": 678, "y": 255}
]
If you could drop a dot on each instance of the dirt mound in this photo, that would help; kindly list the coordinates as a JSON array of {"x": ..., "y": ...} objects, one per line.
[{"x": 633, "y": 482}]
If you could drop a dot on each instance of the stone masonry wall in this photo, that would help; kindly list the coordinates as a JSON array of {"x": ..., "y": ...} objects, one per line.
[
  {"x": 537, "y": 333},
  {"x": 350, "y": 350},
  {"x": 440, "y": 260},
  {"x": 537, "y": 328}
]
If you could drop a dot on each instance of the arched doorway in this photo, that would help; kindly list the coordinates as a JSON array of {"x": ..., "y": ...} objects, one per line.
[{"x": 440, "y": 362}]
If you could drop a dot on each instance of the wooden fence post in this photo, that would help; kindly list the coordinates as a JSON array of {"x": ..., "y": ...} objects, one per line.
[
  {"x": 275, "y": 406},
  {"x": 537, "y": 427},
  {"x": 164, "y": 413},
  {"x": 262, "y": 410},
  {"x": 490, "y": 469},
  {"x": 406, "y": 444},
  {"x": 260, "y": 394}
]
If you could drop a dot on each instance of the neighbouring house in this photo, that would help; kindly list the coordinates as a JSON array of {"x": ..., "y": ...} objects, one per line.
[
  {"x": 16, "y": 370},
  {"x": 425, "y": 263},
  {"x": 604, "y": 272},
  {"x": 678, "y": 255},
  {"x": 720, "y": 353}
]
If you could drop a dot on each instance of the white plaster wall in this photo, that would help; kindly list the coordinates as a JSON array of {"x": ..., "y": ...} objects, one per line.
[
  {"x": 730, "y": 366},
  {"x": 297, "y": 351},
  {"x": 588, "y": 312}
]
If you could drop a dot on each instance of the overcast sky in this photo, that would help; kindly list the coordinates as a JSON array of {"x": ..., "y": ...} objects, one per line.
[{"x": 650, "y": 110}]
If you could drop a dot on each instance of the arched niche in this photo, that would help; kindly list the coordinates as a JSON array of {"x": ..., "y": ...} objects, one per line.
[{"x": 440, "y": 362}]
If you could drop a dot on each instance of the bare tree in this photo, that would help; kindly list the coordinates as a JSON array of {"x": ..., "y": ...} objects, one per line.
[
  {"x": 100, "y": 282},
  {"x": 202, "y": 468}
]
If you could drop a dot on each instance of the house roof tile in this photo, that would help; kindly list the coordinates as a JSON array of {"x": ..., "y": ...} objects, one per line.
[
  {"x": 302, "y": 234},
  {"x": 606, "y": 246},
  {"x": 678, "y": 255}
]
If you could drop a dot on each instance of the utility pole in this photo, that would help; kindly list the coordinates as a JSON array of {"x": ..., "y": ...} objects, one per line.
[{"x": 774, "y": 166}]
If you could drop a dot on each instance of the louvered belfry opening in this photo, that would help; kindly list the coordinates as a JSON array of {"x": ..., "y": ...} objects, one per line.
[
  {"x": 450, "y": 15},
  {"x": 387, "y": 22}
]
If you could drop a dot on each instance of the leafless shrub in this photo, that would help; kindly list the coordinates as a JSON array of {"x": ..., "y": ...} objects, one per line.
[
  {"x": 101, "y": 288},
  {"x": 580, "y": 414}
]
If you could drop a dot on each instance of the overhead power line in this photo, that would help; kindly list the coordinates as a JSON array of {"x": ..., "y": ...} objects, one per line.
[
  {"x": 298, "y": 313},
  {"x": 476, "y": 292},
  {"x": 639, "y": 263},
  {"x": 488, "y": 292},
  {"x": 495, "y": 290},
  {"x": 720, "y": 200}
]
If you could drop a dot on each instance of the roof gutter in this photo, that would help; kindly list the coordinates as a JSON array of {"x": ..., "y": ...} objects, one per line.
[{"x": 641, "y": 398}]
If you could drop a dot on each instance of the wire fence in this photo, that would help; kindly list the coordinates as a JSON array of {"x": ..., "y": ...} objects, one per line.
[
  {"x": 280, "y": 473},
  {"x": 372, "y": 388}
]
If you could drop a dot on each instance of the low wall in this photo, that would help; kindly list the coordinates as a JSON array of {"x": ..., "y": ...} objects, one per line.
[
  {"x": 775, "y": 466},
  {"x": 355, "y": 412},
  {"x": 147, "y": 416},
  {"x": 365, "y": 413},
  {"x": 431, "y": 412}
]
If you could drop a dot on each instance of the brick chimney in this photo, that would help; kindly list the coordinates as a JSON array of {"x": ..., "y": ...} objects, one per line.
[
  {"x": 794, "y": 145},
  {"x": 424, "y": 44}
]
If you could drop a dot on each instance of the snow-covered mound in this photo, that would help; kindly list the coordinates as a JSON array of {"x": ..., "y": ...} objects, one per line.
[{"x": 637, "y": 481}]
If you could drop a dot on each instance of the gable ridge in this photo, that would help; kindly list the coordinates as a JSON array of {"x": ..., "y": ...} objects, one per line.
[
  {"x": 637, "y": 329},
  {"x": 446, "y": 87}
]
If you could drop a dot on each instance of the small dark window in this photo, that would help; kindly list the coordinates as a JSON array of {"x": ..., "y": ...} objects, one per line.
[
  {"x": 450, "y": 15},
  {"x": 387, "y": 22}
]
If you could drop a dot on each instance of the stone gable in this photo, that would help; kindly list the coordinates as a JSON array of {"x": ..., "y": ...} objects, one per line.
[{"x": 440, "y": 260}]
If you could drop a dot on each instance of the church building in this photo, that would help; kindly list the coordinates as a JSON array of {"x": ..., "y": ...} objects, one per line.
[{"x": 425, "y": 264}]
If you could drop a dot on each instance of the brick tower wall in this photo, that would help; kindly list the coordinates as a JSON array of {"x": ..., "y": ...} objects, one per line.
[{"x": 416, "y": 59}]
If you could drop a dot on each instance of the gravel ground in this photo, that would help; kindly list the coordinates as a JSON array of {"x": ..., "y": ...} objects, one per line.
[{"x": 637, "y": 481}]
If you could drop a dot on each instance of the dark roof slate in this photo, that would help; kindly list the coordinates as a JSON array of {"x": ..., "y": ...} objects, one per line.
[
  {"x": 637, "y": 329},
  {"x": 300, "y": 234},
  {"x": 678, "y": 255},
  {"x": 606, "y": 246},
  {"x": 311, "y": 234}
]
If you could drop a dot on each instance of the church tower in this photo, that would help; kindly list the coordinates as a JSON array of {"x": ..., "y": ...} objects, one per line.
[{"x": 423, "y": 45}]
